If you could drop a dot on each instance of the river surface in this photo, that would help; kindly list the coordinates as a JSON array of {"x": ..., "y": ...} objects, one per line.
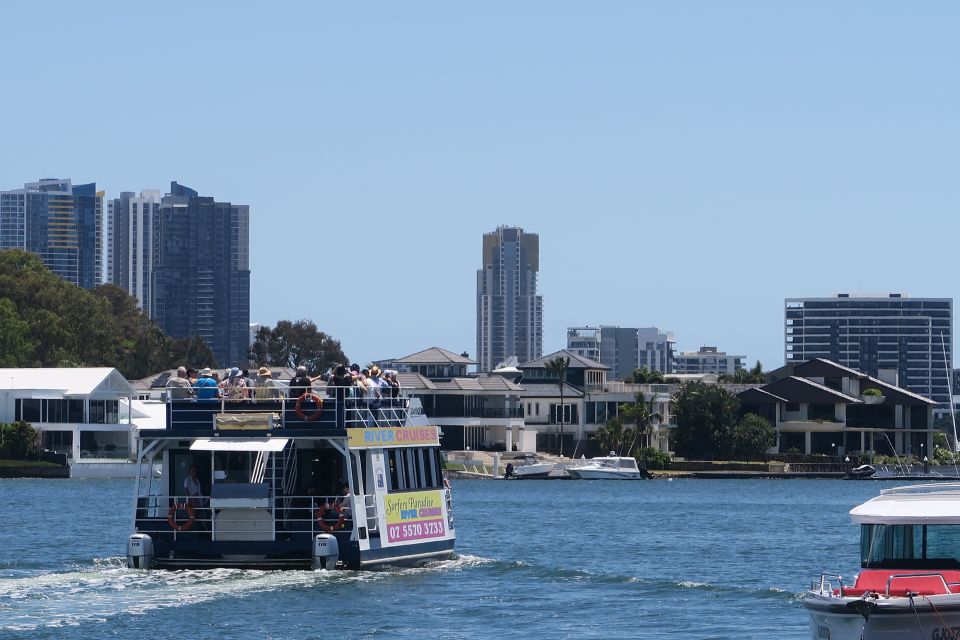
[{"x": 536, "y": 559}]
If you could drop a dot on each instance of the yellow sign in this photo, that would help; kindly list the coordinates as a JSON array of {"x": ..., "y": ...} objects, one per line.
[
  {"x": 386, "y": 437},
  {"x": 416, "y": 515}
]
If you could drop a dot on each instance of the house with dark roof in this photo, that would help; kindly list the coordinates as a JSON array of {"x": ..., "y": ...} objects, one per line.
[{"x": 819, "y": 406}]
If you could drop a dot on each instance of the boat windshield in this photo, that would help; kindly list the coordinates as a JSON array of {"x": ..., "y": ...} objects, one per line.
[{"x": 916, "y": 546}]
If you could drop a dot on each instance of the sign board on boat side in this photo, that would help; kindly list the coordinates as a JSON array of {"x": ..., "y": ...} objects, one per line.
[
  {"x": 370, "y": 437},
  {"x": 417, "y": 515}
]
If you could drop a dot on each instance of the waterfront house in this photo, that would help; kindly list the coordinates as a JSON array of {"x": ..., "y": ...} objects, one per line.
[
  {"x": 821, "y": 407},
  {"x": 87, "y": 413},
  {"x": 589, "y": 400},
  {"x": 474, "y": 411}
]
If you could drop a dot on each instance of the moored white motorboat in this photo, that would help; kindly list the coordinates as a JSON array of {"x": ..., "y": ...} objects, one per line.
[
  {"x": 528, "y": 467},
  {"x": 909, "y": 584},
  {"x": 610, "y": 467}
]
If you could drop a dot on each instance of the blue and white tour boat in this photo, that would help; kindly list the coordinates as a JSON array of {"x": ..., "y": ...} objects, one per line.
[{"x": 321, "y": 482}]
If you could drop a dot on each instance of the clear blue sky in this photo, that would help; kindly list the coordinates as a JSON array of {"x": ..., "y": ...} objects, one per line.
[{"x": 687, "y": 164}]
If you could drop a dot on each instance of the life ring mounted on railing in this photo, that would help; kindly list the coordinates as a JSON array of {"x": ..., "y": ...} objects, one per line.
[
  {"x": 187, "y": 524},
  {"x": 324, "y": 522},
  {"x": 309, "y": 416}
]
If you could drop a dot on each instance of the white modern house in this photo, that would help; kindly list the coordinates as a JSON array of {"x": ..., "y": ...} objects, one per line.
[
  {"x": 589, "y": 400},
  {"x": 87, "y": 413}
]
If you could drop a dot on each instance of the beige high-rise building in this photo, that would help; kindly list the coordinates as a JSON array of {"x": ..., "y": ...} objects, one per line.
[{"x": 509, "y": 310}]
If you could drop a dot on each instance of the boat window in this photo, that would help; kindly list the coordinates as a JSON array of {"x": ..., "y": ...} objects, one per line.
[
  {"x": 422, "y": 480},
  {"x": 394, "y": 472},
  {"x": 234, "y": 466},
  {"x": 410, "y": 466},
  {"x": 910, "y": 546}
]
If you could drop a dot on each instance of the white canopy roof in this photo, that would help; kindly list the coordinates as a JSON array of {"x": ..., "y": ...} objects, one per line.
[
  {"x": 238, "y": 444},
  {"x": 917, "y": 504},
  {"x": 59, "y": 382}
]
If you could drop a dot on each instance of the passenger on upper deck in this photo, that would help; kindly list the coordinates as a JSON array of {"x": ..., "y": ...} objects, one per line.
[
  {"x": 374, "y": 394},
  {"x": 391, "y": 377},
  {"x": 301, "y": 383},
  {"x": 235, "y": 386},
  {"x": 179, "y": 385},
  {"x": 265, "y": 387},
  {"x": 206, "y": 386}
]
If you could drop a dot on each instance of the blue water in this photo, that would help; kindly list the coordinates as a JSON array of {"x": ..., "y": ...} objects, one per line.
[{"x": 536, "y": 559}]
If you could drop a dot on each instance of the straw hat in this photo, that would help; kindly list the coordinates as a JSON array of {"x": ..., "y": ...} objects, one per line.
[{"x": 264, "y": 372}]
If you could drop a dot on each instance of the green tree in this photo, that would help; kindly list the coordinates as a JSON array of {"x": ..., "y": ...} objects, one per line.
[
  {"x": 641, "y": 414},
  {"x": 290, "y": 344},
  {"x": 16, "y": 348},
  {"x": 751, "y": 437},
  {"x": 744, "y": 376},
  {"x": 18, "y": 440},
  {"x": 706, "y": 415},
  {"x": 613, "y": 436},
  {"x": 193, "y": 352},
  {"x": 48, "y": 322},
  {"x": 558, "y": 366}
]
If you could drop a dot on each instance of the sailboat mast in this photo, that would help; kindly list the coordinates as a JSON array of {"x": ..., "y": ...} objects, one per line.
[{"x": 953, "y": 416}]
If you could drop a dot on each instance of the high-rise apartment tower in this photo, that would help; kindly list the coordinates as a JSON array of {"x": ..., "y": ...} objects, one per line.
[
  {"x": 60, "y": 222},
  {"x": 509, "y": 311},
  {"x": 200, "y": 283},
  {"x": 134, "y": 230},
  {"x": 903, "y": 340}
]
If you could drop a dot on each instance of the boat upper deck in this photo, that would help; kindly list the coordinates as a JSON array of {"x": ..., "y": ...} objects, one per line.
[{"x": 310, "y": 415}]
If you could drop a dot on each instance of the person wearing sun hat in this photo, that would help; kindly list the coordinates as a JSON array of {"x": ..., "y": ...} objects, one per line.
[
  {"x": 234, "y": 387},
  {"x": 206, "y": 386},
  {"x": 264, "y": 386}
]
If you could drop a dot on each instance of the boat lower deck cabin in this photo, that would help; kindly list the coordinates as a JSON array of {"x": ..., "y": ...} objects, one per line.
[{"x": 288, "y": 483}]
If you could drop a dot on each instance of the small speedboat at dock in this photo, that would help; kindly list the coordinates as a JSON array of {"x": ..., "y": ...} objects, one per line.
[
  {"x": 610, "y": 467},
  {"x": 909, "y": 582}
]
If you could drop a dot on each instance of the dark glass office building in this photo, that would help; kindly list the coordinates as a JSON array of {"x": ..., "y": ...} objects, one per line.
[
  {"x": 60, "y": 222},
  {"x": 894, "y": 336},
  {"x": 201, "y": 276}
]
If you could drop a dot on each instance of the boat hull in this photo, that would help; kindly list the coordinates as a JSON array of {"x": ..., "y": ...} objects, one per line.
[
  {"x": 534, "y": 471},
  {"x": 836, "y": 618},
  {"x": 603, "y": 474}
]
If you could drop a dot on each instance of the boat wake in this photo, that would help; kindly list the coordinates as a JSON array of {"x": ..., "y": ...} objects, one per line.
[{"x": 105, "y": 588}]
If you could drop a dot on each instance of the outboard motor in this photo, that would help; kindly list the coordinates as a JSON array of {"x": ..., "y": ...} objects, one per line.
[
  {"x": 326, "y": 551},
  {"x": 139, "y": 551}
]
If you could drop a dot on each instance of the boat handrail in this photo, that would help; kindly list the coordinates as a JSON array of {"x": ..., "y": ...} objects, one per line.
[
  {"x": 270, "y": 413},
  {"x": 302, "y": 514},
  {"x": 904, "y": 576},
  {"x": 826, "y": 583}
]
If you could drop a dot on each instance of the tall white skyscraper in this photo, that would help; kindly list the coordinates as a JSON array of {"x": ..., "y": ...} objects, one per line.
[{"x": 134, "y": 236}]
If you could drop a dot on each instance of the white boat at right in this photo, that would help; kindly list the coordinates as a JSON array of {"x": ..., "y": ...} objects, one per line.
[
  {"x": 909, "y": 582},
  {"x": 610, "y": 467}
]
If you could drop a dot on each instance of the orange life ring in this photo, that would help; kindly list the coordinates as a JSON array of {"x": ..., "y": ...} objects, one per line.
[
  {"x": 313, "y": 415},
  {"x": 172, "y": 516},
  {"x": 326, "y": 526}
]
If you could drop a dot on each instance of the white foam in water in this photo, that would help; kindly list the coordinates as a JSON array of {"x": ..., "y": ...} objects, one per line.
[{"x": 109, "y": 588}]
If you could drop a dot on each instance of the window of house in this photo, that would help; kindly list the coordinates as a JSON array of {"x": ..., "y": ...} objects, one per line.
[{"x": 792, "y": 407}]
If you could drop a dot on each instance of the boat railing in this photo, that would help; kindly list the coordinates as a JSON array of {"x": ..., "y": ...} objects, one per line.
[
  {"x": 913, "y": 576},
  {"x": 826, "y": 584},
  {"x": 194, "y": 517},
  {"x": 338, "y": 410}
]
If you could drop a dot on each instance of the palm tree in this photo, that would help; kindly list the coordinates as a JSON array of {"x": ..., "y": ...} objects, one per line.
[
  {"x": 559, "y": 367},
  {"x": 641, "y": 413}
]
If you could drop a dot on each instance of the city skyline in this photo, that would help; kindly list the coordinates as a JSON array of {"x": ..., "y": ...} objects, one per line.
[{"x": 687, "y": 168}]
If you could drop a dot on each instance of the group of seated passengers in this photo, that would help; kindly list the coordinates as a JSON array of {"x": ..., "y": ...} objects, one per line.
[{"x": 207, "y": 384}]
